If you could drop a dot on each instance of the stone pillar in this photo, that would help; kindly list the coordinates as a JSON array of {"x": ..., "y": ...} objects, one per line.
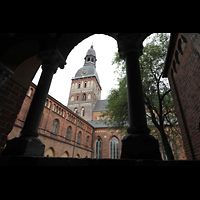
[
  {"x": 28, "y": 143},
  {"x": 138, "y": 144}
]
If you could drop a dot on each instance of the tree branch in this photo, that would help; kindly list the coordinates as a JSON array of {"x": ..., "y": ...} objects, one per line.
[{"x": 165, "y": 94}]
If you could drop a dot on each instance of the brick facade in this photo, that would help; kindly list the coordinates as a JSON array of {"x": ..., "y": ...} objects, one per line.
[
  {"x": 77, "y": 117},
  {"x": 58, "y": 141},
  {"x": 58, "y": 117},
  {"x": 84, "y": 94},
  {"x": 11, "y": 99},
  {"x": 183, "y": 75},
  {"x": 58, "y": 144},
  {"x": 106, "y": 137}
]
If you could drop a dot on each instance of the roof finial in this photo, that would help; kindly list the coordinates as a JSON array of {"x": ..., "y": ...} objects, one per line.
[{"x": 91, "y": 46}]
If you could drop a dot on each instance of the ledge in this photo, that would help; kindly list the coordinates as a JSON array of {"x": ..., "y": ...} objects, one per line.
[{"x": 48, "y": 161}]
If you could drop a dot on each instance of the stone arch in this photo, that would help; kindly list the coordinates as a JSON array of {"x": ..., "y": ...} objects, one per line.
[
  {"x": 76, "y": 38},
  {"x": 65, "y": 154},
  {"x": 19, "y": 50},
  {"x": 49, "y": 152},
  {"x": 78, "y": 155}
]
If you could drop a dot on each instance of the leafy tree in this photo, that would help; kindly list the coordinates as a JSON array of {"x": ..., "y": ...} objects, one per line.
[{"x": 158, "y": 100}]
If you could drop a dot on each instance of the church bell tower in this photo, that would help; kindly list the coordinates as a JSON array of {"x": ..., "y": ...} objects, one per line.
[{"x": 85, "y": 88}]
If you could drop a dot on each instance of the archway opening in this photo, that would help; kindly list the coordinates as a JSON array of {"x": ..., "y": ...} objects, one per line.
[{"x": 105, "y": 47}]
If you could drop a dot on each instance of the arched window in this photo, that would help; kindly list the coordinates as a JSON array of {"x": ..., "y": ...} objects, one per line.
[
  {"x": 79, "y": 85},
  {"x": 54, "y": 107},
  {"x": 85, "y": 84},
  {"x": 49, "y": 104},
  {"x": 49, "y": 152},
  {"x": 87, "y": 141},
  {"x": 66, "y": 154},
  {"x": 98, "y": 148},
  {"x": 76, "y": 110},
  {"x": 82, "y": 112},
  {"x": 54, "y": 128},
  {"x": 30, "y": 92},
  {"x": 46, "y": 102},
  {"x": 114, "y": 148},
  {"x": 84, "y": 97},
  {"x": 69, "y": 130},
  {"x": 79, "y": 137}
]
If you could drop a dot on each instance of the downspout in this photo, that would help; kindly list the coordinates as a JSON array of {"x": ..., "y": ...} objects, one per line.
[
  {"x": 92, "y": 147},
  {"x": 75, "y": 138}
]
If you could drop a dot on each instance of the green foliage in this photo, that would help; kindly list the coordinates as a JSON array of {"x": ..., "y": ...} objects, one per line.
[
  {"x": 156, "y": 90},
  {"x": 116, "y": 114}
]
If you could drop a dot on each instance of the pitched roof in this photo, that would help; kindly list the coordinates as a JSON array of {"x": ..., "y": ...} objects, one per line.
[
  {"x": 98, "y": 124},
  {"x": 100, "y": 105}
]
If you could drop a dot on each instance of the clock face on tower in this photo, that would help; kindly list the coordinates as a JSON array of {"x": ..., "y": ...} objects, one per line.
[{"x": 84, "y": 72}]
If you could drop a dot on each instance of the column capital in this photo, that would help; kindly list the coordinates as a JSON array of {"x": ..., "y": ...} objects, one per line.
[
  {"x": 52, "y": 58},
  {"x": 5, "y": 73},
  {"x": 128, "y": 42}
]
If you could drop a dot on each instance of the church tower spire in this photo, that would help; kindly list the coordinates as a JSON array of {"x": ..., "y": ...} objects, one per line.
[
  {"x": 90, "y": 58},
  {"x": 85, "y": 87}
]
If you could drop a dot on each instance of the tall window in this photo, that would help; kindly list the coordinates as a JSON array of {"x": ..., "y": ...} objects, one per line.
[
  {"x": 30, "y": 92},
  {"x": 114, "y": 148},
  {"x": 49, "y": 105},
  {"x": 82, "y": 112},
  {"x": 69, "y": 130},
  {"x": 54, "y": 128},
  {"x": 98, "y": 148},
  {"x": 79, "y": 137},
  {"x": 46, "y": 102},
  {"x": 72, "y": 98},
  {"x": 84, "y": 97},
  {"x": 87, "y": 141},
  {"x": 76, "y": 110}
]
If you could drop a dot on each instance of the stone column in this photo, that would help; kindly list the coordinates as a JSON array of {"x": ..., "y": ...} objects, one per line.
[
  {"x": 28, "y": 143},
  {"x": 138, "y": 144}
]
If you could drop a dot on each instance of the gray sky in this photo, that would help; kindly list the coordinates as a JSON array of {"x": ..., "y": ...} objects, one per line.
[{"x": 105, "y": 48}]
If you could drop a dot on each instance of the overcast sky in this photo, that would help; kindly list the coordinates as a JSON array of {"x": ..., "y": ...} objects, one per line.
[{"x": 105, "y": 48}]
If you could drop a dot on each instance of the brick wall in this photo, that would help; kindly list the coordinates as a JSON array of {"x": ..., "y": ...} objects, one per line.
[
  {"x": 57, "y": 142},
  {"x": 11, "y": 99},
  {"x": 92, "y": 92},
  {"x": 185, "y": 84},
  {"x": 106, "y": 135}
]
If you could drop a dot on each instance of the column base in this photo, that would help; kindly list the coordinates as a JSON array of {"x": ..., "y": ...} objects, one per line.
[
  {"x": 24, "y": 146},
  {"x": 140, "y": 146}
]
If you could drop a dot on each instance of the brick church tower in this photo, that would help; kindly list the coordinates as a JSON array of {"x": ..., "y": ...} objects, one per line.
[{"x": 85, "y": 88}]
